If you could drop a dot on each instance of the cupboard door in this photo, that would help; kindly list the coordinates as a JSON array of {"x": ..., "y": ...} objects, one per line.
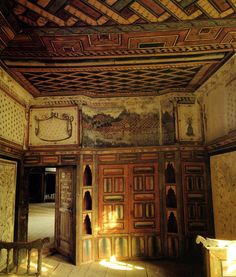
[
  {"x": 144, "y": 198},
  {"x": 128, "y": 198},
  {"x": 113, "y": 199}
]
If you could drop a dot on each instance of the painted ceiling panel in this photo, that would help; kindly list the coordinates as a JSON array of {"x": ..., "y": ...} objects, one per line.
[
  {"x": 115, "y": 47},
  {"x": 97, "y": 12}
]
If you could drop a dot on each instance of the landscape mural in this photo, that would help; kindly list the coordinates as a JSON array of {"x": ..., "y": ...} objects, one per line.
[
  {"x": 167, "y": 122},
  {"x": 120, "y": 127}
]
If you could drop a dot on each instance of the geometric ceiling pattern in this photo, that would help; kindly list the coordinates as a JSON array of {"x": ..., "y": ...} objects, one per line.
[
  {"x": 50, "y": 13},
  {"x": 106, "y": 48},
  {"x": 113, "y": 82}
]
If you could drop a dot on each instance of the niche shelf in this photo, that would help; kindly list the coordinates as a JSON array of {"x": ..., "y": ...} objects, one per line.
[
  {"x": 87, "y": 201},
  {"x": 171, "y": 198},
  {"x": 87, "y": 178},
  {"x": 87, "y": 230},
  {"x": 172, "y": 227}
]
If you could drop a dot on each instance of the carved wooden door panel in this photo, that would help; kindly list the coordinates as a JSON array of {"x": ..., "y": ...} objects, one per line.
[
  {"x": 65, "y": 202},
  {"x": 113, "y": 198},
  {"x": 128, "y": 198},
  {"x": 144, "y": 198}
]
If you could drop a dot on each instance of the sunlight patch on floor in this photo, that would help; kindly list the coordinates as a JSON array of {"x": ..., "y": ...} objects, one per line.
[{"x": 114, "y": 264}]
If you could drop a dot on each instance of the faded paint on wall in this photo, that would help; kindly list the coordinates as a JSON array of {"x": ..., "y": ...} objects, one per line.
[
  {"x": 129, "y": 121},
  {"x": 121, "y": 126},
  {"x": 13, "y": 120},
  {"x": 218, "y": 100},
  {"x": 223, "y": 177},
  {"x": 189, "y": 122},
  {"x": 167, "y": 122},
  {"x": 8, "y": 171},
  {"x": 53, "y": 126},
  {"x": 11, "y": 87}
]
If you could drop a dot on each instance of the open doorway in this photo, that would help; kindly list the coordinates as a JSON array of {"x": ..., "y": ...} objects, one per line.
[
  {"x": 42, "y": 192},
  {"x": 52, "y": 207}
]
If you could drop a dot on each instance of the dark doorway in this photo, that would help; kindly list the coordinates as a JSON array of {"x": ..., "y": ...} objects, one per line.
[{"x": 42, "y": 191}]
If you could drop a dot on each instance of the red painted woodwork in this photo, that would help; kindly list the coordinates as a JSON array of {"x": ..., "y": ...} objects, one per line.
[{"x": 128, "y": 198}]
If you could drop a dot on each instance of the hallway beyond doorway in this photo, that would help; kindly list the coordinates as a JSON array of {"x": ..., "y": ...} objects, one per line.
[{"x": 41, "y": 221}]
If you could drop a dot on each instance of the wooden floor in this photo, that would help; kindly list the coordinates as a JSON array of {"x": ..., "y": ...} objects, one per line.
[
  {"x": 56, "y": 265},
  {"x": 41, "y": 224},
  {"x": 161, "y": 268}
]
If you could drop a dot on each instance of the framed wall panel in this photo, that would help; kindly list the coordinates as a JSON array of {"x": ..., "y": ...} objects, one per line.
[{"x": 54, "y": 126}]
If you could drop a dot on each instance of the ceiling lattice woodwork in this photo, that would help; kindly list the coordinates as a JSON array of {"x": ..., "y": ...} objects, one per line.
[
  {"x": 50, "y": 13},
  {"x": 115, "y": 47},
  {"x": 113, "y": 82}
]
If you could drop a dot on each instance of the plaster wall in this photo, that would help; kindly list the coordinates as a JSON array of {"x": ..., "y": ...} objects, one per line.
[
  {"x": 218, "y": 100},
  {"x": 8, "y": 170},
  {"x": 125, "y": 122},
  {"x": 13, "y": 106},
  {"x": 223, "y": 177}
]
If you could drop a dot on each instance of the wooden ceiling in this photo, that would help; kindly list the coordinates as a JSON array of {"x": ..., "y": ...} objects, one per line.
[{"x": 107, "y": 48}]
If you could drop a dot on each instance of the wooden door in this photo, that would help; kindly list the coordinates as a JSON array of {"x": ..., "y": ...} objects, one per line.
[
  {"x": 128, "y": 199},
  {"x": 65, "y": 208},
  {"x": 144, "y": 199},
  {"x": 113, "y": 196}
]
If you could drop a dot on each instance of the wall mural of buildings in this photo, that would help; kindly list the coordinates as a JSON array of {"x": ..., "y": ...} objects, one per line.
[
  {"x": 167, "y": 122},
  {"x": 118, "y": 128}
]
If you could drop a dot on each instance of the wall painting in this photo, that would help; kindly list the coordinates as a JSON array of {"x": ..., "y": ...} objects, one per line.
[
  {"x": 119, "y": 127},
  {"x": 53, "y": 126}
]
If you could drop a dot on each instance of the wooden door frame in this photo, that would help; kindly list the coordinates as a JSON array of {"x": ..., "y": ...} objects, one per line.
[{"x": 24, "y": 203}]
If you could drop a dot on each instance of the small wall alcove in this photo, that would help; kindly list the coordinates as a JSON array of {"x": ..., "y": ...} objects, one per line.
[
  {"x": 170, "y": 173},
  {"x": 87, "y": 180},
  {"x": 87, "y": 201},
  {"x": 87, "y": 225},
  {"x": 172, "y": 226},
  {"x": 171, "y": 198}
]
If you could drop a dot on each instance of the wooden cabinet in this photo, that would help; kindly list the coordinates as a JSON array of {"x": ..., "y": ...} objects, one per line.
[
  {"x": 195, "y": 198},
  {"x": 129, "y": 215},
  {"x": 128, "y": 198}
]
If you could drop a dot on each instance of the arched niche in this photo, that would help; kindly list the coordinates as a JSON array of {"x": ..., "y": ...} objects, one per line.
[
  {"x": 87, "y": 201},
  {"x": 87, "y": 225},
  {"x": 171, "y": 199},
  {"x": 87, "y": 180},
  {"x": 170, "y": 173},
  {"x": 172, "y": 226}
]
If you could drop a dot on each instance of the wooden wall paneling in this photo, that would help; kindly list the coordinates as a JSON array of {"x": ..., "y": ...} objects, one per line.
[
  {"x": 69, "y": 159},
  {"x": 195, "y": 200},
  {"x": 87, "y": 250},
  {"x": 171, "y": 205},
  {"x": 162, "y": 200},
  {"x": 138, "y": 246},
  {"x": 121, "y": 246},
  {"x": 145, "y": 213},
  {"x": 129, "y": 197},
  {"x": 104, "y": 247},
  {"x": 86, "y": 209},
  {"x": 78, "y": 241},
  {"x": 113, "y": 196},
  {"x": 180, "y": 206},
  {"x": 154, "y": 248}
]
